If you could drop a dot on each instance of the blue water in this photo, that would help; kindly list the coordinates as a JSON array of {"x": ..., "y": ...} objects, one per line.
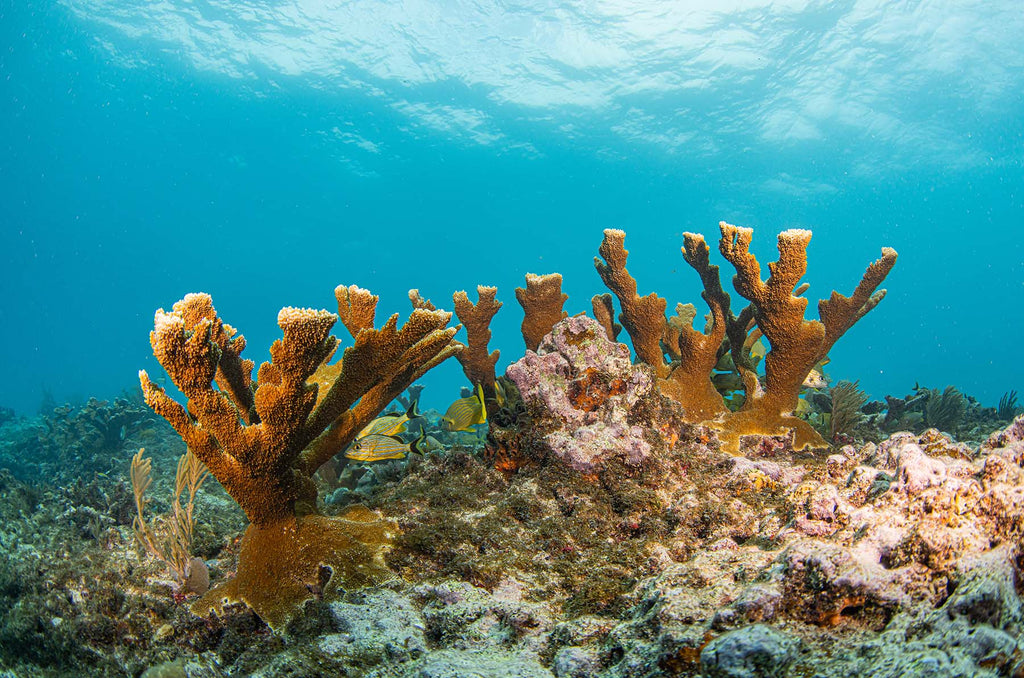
[{"x": 265, "y": 152}]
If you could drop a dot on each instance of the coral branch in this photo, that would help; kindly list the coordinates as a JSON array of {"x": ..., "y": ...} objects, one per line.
[
  {"x": 695, "y": 353},
  {"x": 604, "y": 311},
  {"x": 248, "y": 459},
  {"x": 776, "y": 311},
  {"x": 417, "y": 301},
  {"x": 642, "y": 317},
  {"x": 356, "y": 308},
  {"x": 377, "y": 359},
  {"x": 839, "y": 313},
  {"x": 265, "y": 455},
  {"x": 542, "y": 301},
  {"x": 686, "y": 377},
  {"x": 383, "y": 364},
  {"x": 477, "y": 363},
  {"x": 234, "y": 374},
  {"x": 796, "y": 344}
]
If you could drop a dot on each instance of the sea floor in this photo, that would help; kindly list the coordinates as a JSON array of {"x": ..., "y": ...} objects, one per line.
[{"x": 896, "y": 558}]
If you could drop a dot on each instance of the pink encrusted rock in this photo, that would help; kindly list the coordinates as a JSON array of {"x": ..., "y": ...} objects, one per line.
[
  {"x": 888, "y": 451},
  {"x": 824, "y": 504},
  {"x": 837, "y": 466},
  {"x": 1010, "y": 440},
  {"x": 916, "y": 471},
  {"x": 812, "y": 528},
  {"x": 818, "y": 507},
  {"x": 999, "y": 467},
  {"x": 583, "y": 343},
  {"x": 542, "y": 380},
  {"x": 723, "y": 544},
  {"x": 585, "y": 386},
  {"x": 743, "y": 468},
  {"x": 880, "y": 538},
  {"x": 762, "y": 475},
  {"x": 584, "y": 447}
]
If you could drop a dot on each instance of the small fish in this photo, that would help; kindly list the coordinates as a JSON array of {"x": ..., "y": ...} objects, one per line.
[
  {"x": 727, "y": 381},
  {"x": 377, "y": 447},
  {"x": 803, "y": 408},
  {"x": 465, "y": 412},
  {"x": 431, "y": 444},
  {"x": 390, "y": 424},
  {"x": 499, "y": 393},
  {"x": 758, "y": 349},
  {"x": 815, "y": 379},
  {"x": 725, "y": 363},
  {"x": 755, "y": 348}
]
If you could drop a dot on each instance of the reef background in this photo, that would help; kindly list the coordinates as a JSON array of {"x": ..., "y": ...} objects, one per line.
[{"x": 265, "y": 158}]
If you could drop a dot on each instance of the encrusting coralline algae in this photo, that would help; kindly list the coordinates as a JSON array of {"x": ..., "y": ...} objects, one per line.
[{"x": 591, "y": 387}]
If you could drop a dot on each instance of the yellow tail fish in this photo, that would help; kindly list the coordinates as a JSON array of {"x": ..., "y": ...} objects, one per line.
[
  {"x": 390, "y": 424},
  {"x": 465, "y": 412},
  {"x": 499, "y": 393},
  {"x": 377, "y": 447}
]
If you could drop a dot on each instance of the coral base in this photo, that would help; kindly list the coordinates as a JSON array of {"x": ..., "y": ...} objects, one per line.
[{"x": 280, "y": 565}]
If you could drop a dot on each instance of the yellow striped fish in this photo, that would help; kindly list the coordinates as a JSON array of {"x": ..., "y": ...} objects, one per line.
[
  {"x": 465, "y": 412},
  {"x": 499, "y": 392},
  {"x": 377, "y": 447},
  {"x": 390, "y": 424}
]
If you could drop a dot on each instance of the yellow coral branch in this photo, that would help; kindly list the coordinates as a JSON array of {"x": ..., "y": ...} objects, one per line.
[
  {"x": 477, "y": 363},
  {"x": 642, "y": 317},
  {"x": 542, "y": 301}
]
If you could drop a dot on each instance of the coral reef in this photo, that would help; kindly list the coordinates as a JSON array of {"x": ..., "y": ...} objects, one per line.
[
  {"x": 901, "y": 558},
  {"x": 69, "y": 442},
  {"x": 264, "y": 441},
  {"x": 618, "y": 521},
  {"x": 683, "y": 358}
]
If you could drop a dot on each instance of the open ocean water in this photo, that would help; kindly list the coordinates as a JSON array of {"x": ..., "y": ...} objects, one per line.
[{"x": 265, "y": 152}]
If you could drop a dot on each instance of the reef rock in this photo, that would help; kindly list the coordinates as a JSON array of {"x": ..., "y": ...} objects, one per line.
[
  {"x": 897, "y": 559},
  {"x": 456, "y": 664},
  {"x": 756, "y": 651},
  {"x": 383, "y": 627},
  {"x": 588, "y": 397}
]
